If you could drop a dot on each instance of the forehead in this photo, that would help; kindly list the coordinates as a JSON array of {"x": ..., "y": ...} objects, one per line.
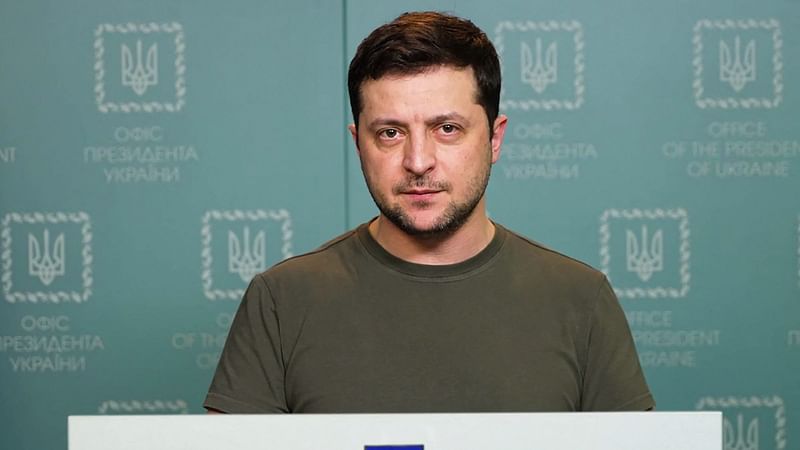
[{"x": 431, "y": 89}]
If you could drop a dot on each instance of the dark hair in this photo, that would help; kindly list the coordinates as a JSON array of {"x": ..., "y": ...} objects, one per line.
[{"x": 417, "y": 41}]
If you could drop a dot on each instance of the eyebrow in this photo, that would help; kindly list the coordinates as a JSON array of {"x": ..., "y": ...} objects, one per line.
[{"x": 447, "y": 117}]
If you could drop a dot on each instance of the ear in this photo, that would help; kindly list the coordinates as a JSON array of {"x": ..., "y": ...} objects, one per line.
[
  {"x": 499, "y": 129},
  {"x": 354, "y": 134}
]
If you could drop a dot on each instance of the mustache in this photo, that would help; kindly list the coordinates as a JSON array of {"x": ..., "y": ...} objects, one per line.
[{"x": 423, "y": 182}]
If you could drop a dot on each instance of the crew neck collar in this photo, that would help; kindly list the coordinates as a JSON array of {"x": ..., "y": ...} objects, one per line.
[{"x": 443, "y": 272}]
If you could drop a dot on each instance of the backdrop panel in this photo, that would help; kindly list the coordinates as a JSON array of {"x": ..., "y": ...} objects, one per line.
[{"x": 160, "y": 155}]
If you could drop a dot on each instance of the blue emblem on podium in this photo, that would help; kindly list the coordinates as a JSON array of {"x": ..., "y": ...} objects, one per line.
[{"x": 394, "y": 447}]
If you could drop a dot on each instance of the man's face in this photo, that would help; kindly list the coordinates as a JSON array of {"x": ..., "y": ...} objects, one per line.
[{"x": 425, "y": 149}]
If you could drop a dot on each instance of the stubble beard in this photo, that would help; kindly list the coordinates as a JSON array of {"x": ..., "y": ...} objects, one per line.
[{"x": 452, "y": 218}]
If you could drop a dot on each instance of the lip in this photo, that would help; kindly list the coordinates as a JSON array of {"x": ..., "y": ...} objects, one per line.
[
  {"x": 421, "y": 194},
  {"x": 420, "y": 191}
]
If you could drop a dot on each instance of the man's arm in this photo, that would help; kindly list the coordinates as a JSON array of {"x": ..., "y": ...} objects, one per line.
[
  {"x": 249, "y": 376},
  {"x": 613, "y": 377}
]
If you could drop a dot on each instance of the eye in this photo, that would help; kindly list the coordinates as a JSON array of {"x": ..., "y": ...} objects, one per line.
[
  {"x": 389, "y": 133},
  {"x": 449, "y": 128}
]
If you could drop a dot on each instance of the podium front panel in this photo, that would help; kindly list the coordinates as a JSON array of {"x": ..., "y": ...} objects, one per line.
[{"x": 501, "y": 431}]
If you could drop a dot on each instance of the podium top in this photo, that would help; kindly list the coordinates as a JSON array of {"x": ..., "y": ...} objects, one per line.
[{"x": 493, "y": 431}]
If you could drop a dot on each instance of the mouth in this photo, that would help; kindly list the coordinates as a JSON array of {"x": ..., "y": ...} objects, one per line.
[
  {"x": 420, "y": 194},
  {"x": 421, "y": 191}
]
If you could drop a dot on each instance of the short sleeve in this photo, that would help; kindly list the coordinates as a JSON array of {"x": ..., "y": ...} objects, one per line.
[
  {"x": 613, "y": 378},
  {"x": 250, "y": 374}
]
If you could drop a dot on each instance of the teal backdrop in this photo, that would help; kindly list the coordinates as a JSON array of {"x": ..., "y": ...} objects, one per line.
[{"x": 155, "y": 155}]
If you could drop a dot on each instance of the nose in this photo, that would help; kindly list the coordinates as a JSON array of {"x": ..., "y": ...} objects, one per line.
[{"x": 419, "y": 155}]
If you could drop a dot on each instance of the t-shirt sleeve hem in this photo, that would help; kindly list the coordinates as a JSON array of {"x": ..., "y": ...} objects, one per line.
[
  {"x": 643, "y": 402},
  {"x": 229, "y": 405}
]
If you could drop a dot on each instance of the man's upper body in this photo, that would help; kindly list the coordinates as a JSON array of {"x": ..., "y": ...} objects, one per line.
[
  {"x": 431, "y": 306},
  {"x": 352, "y": 328}
]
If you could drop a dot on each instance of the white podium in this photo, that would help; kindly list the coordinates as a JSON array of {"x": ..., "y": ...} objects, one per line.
[{"x": 497, "y": 431}]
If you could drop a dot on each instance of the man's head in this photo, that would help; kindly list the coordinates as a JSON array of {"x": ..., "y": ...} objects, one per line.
[
  {"x": 416, "y": 42},
  {"x": 425, "y": 95}
]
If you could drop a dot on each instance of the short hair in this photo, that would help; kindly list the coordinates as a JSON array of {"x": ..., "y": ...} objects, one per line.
[{"x": 415, "y": 42}]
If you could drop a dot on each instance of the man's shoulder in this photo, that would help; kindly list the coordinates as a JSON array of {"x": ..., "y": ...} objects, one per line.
[
  {"x": 545, "y": 258},
  {"x": 326, "y": 257}
]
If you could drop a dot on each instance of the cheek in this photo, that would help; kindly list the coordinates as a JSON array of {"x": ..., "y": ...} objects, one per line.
[
  {"x": 461, "y": 166},
  {"x": 380, "y": 163},
  {"x": 376, "y": 170}
]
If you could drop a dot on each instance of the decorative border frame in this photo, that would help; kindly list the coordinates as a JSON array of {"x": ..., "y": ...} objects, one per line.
[
  {"x": 11, "y": 153},
  {"x": 774, "y": 402},
  {"x": 52, "y": 217},
  {"x": 685, "y": 251},
  {"x": 144, "y": 406},
  {"x": 234, "y": 216},
  {"x": 733, "y": 102},
  {"x": 180, "y": 67},
  {"x": 572, "y": 26}
]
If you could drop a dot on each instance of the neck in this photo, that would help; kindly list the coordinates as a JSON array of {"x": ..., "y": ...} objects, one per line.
[{"x": 466, "y": 242}]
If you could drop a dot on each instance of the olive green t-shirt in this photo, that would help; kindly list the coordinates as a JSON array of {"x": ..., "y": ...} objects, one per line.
[{"x": 350, "y": 328}]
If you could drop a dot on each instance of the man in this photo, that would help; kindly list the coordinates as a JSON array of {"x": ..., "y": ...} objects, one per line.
[{"x": 430, "y": 307}]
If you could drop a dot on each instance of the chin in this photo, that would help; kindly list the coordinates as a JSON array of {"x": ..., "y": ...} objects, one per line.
[
  {"x": 422, "y": 228},
  {"x": 426, "y": 222},
  {"x": 436, "y": 226}
]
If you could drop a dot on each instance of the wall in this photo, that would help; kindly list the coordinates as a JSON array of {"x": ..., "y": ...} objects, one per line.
[{"x": 134, "y": 209}]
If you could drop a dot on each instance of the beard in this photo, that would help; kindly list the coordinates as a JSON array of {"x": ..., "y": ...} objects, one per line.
[{"x": 455, "y": 214}]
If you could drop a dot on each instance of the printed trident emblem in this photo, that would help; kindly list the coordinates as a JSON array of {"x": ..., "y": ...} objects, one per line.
[
  {"x": 740, "y": 439},
  {"x": 43, "y": 261},
  {"x": 139, "y": 75},
  {"x": 542, "y": 71},
  {"x": 735, "y": 69},
  {"x": 246, "y": 258},
  {"x": 646, "y": 256}
]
